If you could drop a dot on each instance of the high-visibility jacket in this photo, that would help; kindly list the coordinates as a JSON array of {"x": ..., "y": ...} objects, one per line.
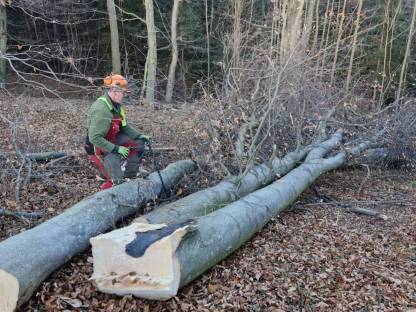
[{"x": 105, "y": 121}]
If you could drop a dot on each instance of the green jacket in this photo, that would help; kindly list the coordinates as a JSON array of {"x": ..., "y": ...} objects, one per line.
[{"x": 99, "y": 122}]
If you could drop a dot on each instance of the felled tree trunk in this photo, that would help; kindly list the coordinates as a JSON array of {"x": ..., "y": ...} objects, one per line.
[
  {"x": 28, "y": 258},
  {"x": 143, "y": 259},
  {"x": 205, "y": 201}
]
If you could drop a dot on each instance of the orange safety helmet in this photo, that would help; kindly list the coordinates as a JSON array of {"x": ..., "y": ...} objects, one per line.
[{"x": 115, "y": 80}]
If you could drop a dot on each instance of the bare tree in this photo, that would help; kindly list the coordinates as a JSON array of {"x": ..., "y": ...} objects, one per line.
[
  {"x": 3, "y": 42},
  {"x": 115, "y": 49},
  {"x": 354, "y": 43},
  {"x": 151, "y": 61},
  {"x": 174, "y": 61},
  {"x": 407, "y": 53}
]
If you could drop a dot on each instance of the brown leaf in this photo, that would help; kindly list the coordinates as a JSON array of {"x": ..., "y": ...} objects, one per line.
[{"x": 213, "y": 288}]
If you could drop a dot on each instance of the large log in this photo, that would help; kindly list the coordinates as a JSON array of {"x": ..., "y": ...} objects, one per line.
[
  {"x": 208, "y": 200},
  {"x": 143, "y": 259},
  {"x": 29, "y": 257}
]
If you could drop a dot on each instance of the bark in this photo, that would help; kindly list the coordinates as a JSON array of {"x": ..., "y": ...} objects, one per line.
[
  {"x": 115, "y": 49},
  {"x": 122, "y": 258},
  {"x": 174, "y": 61},
  {"x": 3, "y": 43},
  {"x": 205, "y": 201},
  {"x": 151, "y": 61},
  {"x": 29, "y": 257}
]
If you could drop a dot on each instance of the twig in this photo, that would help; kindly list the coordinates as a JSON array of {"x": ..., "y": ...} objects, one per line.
[
  {"x": 52, "y": 162},
  {"x": 239, "y": 144}
]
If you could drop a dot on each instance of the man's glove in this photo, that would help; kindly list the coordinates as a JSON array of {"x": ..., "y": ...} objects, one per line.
[
  {"x": 123, "y": 151},
  {"x": 144, "y": 137}
]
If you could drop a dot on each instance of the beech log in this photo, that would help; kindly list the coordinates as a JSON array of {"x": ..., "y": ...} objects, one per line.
[
  {"x": 29, "y": 257},
  {"x": 120, "y": 269}
]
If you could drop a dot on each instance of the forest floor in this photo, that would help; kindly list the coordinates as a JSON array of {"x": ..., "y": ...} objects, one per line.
[{"x": 315, "y": 256}]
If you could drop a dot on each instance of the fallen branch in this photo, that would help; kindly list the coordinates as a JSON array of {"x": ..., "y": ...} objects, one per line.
[
  {"x": 29, "y": 257},
  {"x": 45, "y": 155},
  {"x": 21, "y": 214},
  {"x": 368, "y": 212}
]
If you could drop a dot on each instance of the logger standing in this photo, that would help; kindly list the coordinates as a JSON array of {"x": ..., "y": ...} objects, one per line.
[{"x": 110, "y": 139}]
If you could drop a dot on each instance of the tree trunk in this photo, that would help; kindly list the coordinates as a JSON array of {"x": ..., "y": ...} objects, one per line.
[
  {"x": 407, "y": 53},
  {"x": 174, "y": 61},
  {"x": 205, "y": 201},
  {"x": 29, "y": 257},
  {"x": 144, "y": 260},
  {"x": 3, "y": 43},
  {"x": 151, "y": 61},
  {"x": 354, "y": 44},
  {"x": 115, "y": 49}
]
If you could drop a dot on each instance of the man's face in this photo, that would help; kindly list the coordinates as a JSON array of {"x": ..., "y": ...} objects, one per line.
[{"x": 118, "y": 96}]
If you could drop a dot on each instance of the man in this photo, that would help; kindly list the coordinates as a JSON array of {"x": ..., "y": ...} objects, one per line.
[{"x": 110, "y": 139}]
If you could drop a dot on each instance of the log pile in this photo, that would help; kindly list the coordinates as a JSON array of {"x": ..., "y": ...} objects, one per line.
[{"x": 164, "y": 250}]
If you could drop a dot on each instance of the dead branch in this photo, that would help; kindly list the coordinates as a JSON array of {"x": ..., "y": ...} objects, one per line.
[
  {"x": 45, "y": 155},
  {"x": 368, "y": 212},
  {"x": 21, "y": 214}
]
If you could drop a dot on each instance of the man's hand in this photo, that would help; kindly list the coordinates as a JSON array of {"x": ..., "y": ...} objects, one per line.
[
  {"x": 144, "y": 137},
  {"x": 123, "y": 151}
]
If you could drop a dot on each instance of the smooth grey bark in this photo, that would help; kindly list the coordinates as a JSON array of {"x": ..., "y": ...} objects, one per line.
[
  {"x": 205, "y": 201},
  {"x": 3, "y": 43},
  {"x": 174, "y": 61},
  {"x": 32, "y": 255},
  {"x": 223, "y": 231},
  {"x": 151, "y": 60},
  {"x": 216, "y": 236},
  {"x": 115, "y": 49}
]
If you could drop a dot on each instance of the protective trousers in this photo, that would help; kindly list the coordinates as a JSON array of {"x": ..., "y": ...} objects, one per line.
[{"x": 113, "y": 161}]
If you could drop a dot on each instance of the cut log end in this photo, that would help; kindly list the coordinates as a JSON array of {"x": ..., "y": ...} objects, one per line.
[
  {"x": 9, "y": 291},
  {"x": 139, "y": 260}
]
